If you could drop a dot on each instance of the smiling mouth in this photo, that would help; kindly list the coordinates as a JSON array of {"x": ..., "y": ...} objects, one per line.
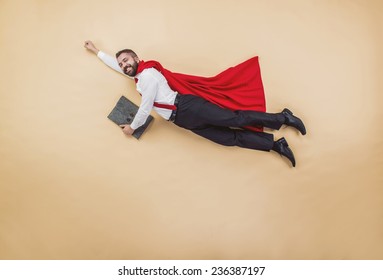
[{"x": 127, "y": 71}]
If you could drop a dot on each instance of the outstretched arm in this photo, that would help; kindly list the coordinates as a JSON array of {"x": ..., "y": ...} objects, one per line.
[{"x": 107, "y": 59}]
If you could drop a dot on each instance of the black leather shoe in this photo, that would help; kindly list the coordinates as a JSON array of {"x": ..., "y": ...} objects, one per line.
[
  {"x": 293, "y": 121},
  {"x": 282, "y": 148}
]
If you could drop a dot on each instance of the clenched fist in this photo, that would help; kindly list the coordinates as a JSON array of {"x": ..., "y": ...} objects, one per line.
[
  {"x": 90, "y": 46},
  {"x": 127, "y": 129}
]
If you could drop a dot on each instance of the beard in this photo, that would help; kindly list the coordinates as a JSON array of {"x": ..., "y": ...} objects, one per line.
[{"x": 132, "y": 70}]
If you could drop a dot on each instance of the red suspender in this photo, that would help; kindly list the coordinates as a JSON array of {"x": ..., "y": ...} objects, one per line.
[
  {"x": 159, "y": 105},
  {"x": 165, "y": 106}
]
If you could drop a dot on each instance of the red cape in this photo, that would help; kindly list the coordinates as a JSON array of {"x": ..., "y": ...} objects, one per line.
[{"x": 237, "y": 88}]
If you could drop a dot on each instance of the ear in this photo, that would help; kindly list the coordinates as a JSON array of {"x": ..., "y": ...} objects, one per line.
[{"x": 136, "y": 59}]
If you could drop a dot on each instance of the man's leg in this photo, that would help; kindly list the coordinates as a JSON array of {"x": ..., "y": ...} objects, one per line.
[
  {"x": 247, "y": 139},
  {"x": 218, "y": 116},
  {"x": 237, "y": 137},
  {"x": 198, "y": 112}
]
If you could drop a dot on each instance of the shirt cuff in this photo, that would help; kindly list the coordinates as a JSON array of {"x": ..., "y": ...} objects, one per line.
[
  {"x": 100, "y": 54},
  {"x": 134, "y": 126}
]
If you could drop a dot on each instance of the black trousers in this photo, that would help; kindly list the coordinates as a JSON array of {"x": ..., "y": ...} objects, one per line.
[{"x": 221, "y": 125}]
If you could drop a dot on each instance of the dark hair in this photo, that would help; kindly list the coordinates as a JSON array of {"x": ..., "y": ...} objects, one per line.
[{"x": 128, "y": 51}]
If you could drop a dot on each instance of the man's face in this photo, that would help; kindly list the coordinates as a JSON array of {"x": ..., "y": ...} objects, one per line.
[{"x": 128, "y": 64}]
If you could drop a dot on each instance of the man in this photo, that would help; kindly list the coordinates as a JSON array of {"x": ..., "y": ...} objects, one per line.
[{"x": 206, "y": 109}]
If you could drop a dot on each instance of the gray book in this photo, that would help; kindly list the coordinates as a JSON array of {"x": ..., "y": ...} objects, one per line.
[{"x": 124, "y": 112}]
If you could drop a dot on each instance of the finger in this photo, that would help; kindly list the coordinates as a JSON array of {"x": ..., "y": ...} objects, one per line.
[{"x": 122, "y": 125}]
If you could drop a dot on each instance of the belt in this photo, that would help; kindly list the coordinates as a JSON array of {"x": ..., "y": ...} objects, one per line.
[{"x": 174, "y": 112}]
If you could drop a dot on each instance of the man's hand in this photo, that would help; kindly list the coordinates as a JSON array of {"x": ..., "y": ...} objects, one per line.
[
  {"x": 90, "y": 46},
  {"x": 127, "y": 129}
]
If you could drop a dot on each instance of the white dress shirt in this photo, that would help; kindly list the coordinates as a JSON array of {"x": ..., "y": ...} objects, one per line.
[{"x": 153, "y": 87}]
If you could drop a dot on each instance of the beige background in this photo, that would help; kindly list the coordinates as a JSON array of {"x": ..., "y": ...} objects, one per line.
[{"x": 74, "y": 187}]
